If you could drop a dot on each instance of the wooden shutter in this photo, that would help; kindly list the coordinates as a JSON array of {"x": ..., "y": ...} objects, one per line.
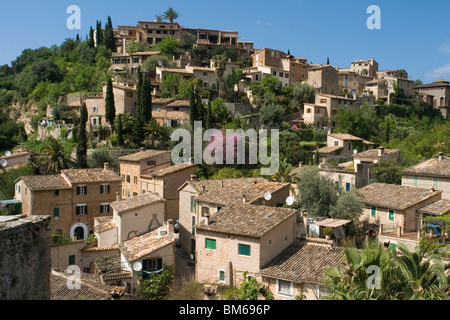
[{"x": 244, "y": 250}]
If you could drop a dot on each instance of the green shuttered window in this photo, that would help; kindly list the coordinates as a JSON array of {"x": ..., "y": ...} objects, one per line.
[
  {"x": 244, "y": 250},
  {"x": 210, "y": 244}
]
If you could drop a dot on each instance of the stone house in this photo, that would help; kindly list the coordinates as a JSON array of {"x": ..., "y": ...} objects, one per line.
[
  {"x": 351, "y": 82},
  {"x": 342, "y": 146},
  {"x": 73, "y": 198},
  {"x": 134, "y": 165},
  {"x": 198, "y": 198},
  {"x": 393, "y": 211},
  {"x": 299, "y": 270},
  {"x": 165, "y": 183},
  {"x": 324, "y": 78},
  {"x": 434, "y": 173},
  {"x": 241, "y": 238},
  {"x": 358, "y": 66},
  {"x": 437, "y": 93},
  {"x": 171, "y": 112}
]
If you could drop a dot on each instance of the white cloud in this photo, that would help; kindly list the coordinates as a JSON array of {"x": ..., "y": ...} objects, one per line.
[
  {"x": 266, "y": 23},
  {"x": 440, "y": 72}
]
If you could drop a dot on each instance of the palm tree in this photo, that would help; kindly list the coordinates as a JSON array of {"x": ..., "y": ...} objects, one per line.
[
  {"x": 220, "y": 64},
  {"x": 283, "y": 173},
  {"x": 159, "y": 18},
  {"x": 171, "y": 15},
  {"x": 420, "y": 274},
  {"x": 53, "y": 158},
  {"x": 153, "y": 131}
]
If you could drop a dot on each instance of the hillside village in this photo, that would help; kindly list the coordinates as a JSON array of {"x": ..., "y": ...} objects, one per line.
[{"x": 88, "y": 179}]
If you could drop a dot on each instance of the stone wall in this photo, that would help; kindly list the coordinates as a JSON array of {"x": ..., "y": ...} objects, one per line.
[{"x": 25, "y": 258}]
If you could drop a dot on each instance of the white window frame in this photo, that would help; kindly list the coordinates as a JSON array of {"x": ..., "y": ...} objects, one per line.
[
  {"x": 102, "y": 186},
  {"x": 82, "y": 205},
  {"x": 83, "y": 190},
  {"x": 102, "y": 205},
  {"x": 278, "y": 293}
]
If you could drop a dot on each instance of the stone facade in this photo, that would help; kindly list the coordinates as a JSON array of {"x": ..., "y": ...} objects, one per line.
[{"x": 25, "y": 258}]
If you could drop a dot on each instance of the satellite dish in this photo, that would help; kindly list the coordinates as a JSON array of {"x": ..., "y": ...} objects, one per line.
[
  {"x": 355, "y": 151},
  {"x": 137, "y": 266},
  {"x": 7, "y": 153},
  {"x": 160, "y": 63},
  {"x": 4, "y": 163},
  {"x": 267, "y": 196},
  {"x": 289, "y": 201}
]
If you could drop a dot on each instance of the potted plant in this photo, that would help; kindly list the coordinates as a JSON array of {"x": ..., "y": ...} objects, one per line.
[{"x": 328, "y": 232}]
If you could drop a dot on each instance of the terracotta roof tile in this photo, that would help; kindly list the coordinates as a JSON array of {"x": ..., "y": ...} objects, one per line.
[
  {"x": 169, "y": 170},
  {"x": 138, "y": 156},
  {"x": 90, "y": 175},
  {"x": 437, "y": 208},
  {"x": 102, "y": 224},
  {"x": 136, "y": 202},
  {"x": 394, "y": 196},
  {"x": 145, "y": 244},
  {"x": 304, "y": 262},
  {"x": 246, "y": 220},
  {"x": 432, "y": 167},
  {"x": 48, "y": 182}
]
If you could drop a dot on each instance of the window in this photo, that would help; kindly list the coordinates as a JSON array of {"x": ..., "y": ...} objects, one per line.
[
  {"x": 436, "y": 182},
  {"x": 192, "y": 204},
  {"x": 374, "y": 212},
  {"x": 81, "y": 190},
  {"x": 104, "y": 208},
  {"x": 193, "y": 224},
  {"x": 130, "y": 93},
  {"x": 149, "y": 266},
  {"x": 274, "y": 73},
  {"x": 347, "y": 186},
  {"x": 336, "y": 143},
  {"x": 104, "y": 188},
  {"x": 244, "y": 250},
  {"x": 135, "y": 180},
  {"x": 128, "y": 178},
  {"x": 284, "y": 287},
  {"x": 81, "y": 209},
  {"x": 349, "y": 146},
  {"x": 221, "y": 275},
  {"x": 56, "y": 213},
  {"x": 281, "y": 74},
  {"x": 71, "y": 260},
  {"x": 150, "y": 162},
  {"x": 205, "y": 74},
  {"x": 205, "y": 210},
  {"x": 210, "y": 244},
  {"x": 293, "y": 74},
  {"x": 416, "y": 181},
  {"x": 391, "y": 215},
  {"x": 56, "y": 192}
]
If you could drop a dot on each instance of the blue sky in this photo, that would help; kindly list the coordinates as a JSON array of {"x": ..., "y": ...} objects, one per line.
[{"x": 414, "y": 34}]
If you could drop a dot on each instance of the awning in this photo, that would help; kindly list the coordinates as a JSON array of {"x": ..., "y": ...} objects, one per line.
[
  {"x": 332, "y": 223},
  {"x": 6, "y": 202}
]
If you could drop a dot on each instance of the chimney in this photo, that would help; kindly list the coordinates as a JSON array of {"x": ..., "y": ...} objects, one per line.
[
  {"x": 380, "y": 151},
  {"x": 300, "y": 164},
  {"x": 117, "y": 196},
  {"x": 243, "y": 198},
  {"x": 207, "y": 219},
  {"x": 203, "y": 188},
  {"x": 141, "y": 150},
  {"x": 170, "y": 229},
  {"x": 441, "y": 154},
  {"x": 106, "y": 166}
]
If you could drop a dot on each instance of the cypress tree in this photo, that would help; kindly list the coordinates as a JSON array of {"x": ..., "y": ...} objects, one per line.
[
  {"x": 145, "y": 101},
  {"x": 110, "y": 109},
  {"x": 82, "y": 138},
  {"x": 99, "y": 33},
  {"x": 119, "y": 130},
  {"x": 192, "y": 107},
  {"x": 109, "y": 40},
  {"x": 91, "y": 38},
  {"x": 328, "y": 61}
]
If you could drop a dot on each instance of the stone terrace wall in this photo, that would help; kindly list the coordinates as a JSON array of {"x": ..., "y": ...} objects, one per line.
[{"x": 25, "y": 258}]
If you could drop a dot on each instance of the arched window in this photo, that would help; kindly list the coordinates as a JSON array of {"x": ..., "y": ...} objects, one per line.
[{"x": 79, "y": 232}]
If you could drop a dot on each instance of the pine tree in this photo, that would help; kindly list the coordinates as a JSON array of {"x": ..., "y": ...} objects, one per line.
[
  {"x": 119, "y": 130},
  {"x": 91, "y": 38},
  {"x": 82, "y": 138},
  {"x": 99, "y": 33},
  {"x": 110, "y": 109},
  {"x": 109, "y": 40}
]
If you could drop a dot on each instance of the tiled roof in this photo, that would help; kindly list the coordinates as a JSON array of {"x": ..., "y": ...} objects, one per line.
[
  {"x": 233, "y": 193},
  {"x": 104, "y": 224},
  {"x": 228, "y": 183},
  {"x": 437, "y": 208},
  {"x": 90, "y": 175},
  {"x": 345, "y": 136},
  {"x": 304, "y": 262},
  {"x": 179, "y": 103},
  {"x": 173, "y": 70},
  {"x": 394, "y": 196},
  {"x": 91, "y": 288},
  {"x": 246, "y": 220},
  {"x": 164, "y": 101},
  {"x": 373, "y": 154},
  {"x": 135, "y": 202},
  {"x": 330, "y": 149},
  {"x": 145, "y": 244},
  {"x": 169, "y": 170},
  {"x": 432, "y": 167},
  {"x": 48, "y": 182},
  {"x": 138, "y": 156}
]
